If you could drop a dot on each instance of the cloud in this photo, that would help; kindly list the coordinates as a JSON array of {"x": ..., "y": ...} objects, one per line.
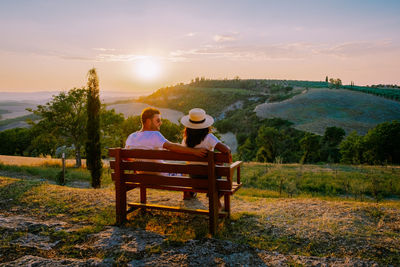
[
  {"x": 104, "y": 49},
  {"x": 190, "y": 34},
  {"x": 118, "y": 57},
  {"x": 289, "y": 51},
  {"x": 358, "y": 49},
  {"x": 225, "y": 37},
  {"x": 253, "y": 53}
]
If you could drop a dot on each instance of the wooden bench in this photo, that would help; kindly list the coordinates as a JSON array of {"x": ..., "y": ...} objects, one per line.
[{"x": 129, "y": 172}]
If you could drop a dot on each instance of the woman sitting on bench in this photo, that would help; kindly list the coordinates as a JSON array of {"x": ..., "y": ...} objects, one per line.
[{"x": 198, "y": 134}]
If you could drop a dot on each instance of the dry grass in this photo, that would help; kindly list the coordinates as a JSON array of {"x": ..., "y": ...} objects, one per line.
[
  {"x": 302, "y": 226},
  {"x": 30, "y": 161}
]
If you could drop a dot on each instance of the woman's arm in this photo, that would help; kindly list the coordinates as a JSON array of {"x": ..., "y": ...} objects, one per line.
[{"x": 201, "y": 152}]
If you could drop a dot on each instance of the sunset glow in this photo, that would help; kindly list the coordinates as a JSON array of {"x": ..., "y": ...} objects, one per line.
[
  {"x": 137, "y": 45},
  {"x": 147, "y": 69}
]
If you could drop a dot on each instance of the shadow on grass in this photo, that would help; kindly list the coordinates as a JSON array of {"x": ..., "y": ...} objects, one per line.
[
  {"x": 254, "y": 231},
  {"x": 12, "y": 191}
]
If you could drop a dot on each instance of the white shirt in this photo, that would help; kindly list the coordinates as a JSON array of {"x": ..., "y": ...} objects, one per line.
[
  {"x": 209, "y": 142},
  {"x": 145, "y": 140}
]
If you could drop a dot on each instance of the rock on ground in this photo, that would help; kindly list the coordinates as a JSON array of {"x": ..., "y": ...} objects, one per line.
[{"x": 143, "y": 248}]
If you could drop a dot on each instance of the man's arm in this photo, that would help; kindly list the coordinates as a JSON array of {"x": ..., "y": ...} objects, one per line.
[
  {"x": 200, "y": 152},
  {"x": 224, "y": 149}
]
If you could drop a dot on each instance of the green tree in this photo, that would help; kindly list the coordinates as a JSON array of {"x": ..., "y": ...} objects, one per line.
[
  {"x": 93, "y": 145},
  {"x": 64, "y": 118},
  {"x": 111, "y": 129},
  {"x": 352, "y": 149},
  {"x": 15, "y": 141},
  {"x": 310, "y": 145},
  {"x": 330, "y": 142},
  {"x": 268, "y": 142},
  {"x": 130, "y": 125},
  {"x": 248, "y": 150},
  {"x": 382, "y": 143},
  {"x": 335, "y": 83},
  {"x": 171, "y": 131}
]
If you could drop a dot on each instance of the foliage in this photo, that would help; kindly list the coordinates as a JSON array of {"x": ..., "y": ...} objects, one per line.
[
  {"x": 351, "y": 149},
  {"x": 171, "y": 131},
  {"x": 112, "y": 129},
  {"x": 310, "y": 145},
  {"x": 393, "y": 93},
  {"x": 335, "y": 83},
  {"x": 64, "y": 117},
  {"x": 184, "y": 98},
  {"x": 15, "y": 141},
  {"x": 380, "y": 145},
  {"x": 330, "y": 142},
  {"x": 93, "y": 145}
]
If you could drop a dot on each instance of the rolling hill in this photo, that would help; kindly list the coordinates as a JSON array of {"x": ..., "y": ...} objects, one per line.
[{"x": 321, "y": 108}]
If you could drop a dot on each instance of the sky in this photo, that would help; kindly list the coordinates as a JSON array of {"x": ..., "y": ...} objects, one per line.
[{"x": 137, "y": 46}]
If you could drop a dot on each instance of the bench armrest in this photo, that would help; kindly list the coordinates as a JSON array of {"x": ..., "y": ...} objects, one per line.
[{"x": 236, "y": 165}]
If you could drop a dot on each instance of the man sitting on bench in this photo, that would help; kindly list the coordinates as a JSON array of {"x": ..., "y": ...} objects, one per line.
[{"x": 149, "y": 136}]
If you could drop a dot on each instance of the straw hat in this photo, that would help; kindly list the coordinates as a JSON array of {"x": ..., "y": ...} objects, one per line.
[{"x": 197, "y": 119}]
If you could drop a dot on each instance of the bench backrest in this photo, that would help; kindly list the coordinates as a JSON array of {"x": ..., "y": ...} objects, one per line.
[{"x": 173, "y": 173}]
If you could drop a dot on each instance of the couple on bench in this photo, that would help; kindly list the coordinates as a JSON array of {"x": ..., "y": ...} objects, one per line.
[{"x": 197, "y": 139}]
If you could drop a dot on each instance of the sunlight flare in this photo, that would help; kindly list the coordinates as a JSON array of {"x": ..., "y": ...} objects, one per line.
[{"x": 147, "y": 69}]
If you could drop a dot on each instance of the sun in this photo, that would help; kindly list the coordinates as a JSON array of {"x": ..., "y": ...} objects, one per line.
[{"x": 147, "y": 69}]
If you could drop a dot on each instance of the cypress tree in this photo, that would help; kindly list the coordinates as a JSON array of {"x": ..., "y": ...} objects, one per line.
[{"x": 93, "y": 146}]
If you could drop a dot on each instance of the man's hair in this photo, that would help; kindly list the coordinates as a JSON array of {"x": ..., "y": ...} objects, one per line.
[{"x": 148, "y": 113}]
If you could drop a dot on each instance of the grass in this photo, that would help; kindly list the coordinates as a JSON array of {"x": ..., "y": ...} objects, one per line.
[
  {"x": 287, "y": 180},
  {"x": 320, "y": 108},
  {"x": 306, "y": 224},
  {"x": 50, "y": 172}
]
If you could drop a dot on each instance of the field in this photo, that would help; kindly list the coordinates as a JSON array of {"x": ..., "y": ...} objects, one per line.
[
  {"x": 267, "y": 227},
  {"x": 321, "y": 108}
]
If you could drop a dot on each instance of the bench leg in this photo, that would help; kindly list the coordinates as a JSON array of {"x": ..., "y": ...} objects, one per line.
[
  {"x": 227, "y": 203},
  {"x": 143, "y": 198},
  {"x": 213, "y": 209},
  {"x": 120, "y": 205}
]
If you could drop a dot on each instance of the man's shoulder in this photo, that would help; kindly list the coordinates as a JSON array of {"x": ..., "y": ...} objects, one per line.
[
  {"x": 151, "y": 133},
  {"x": 146, "y": 135},
  {"x": 132, "y": 135}
]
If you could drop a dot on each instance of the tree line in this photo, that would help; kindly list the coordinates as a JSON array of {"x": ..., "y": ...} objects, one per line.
[{"x": 276, "y": 141}]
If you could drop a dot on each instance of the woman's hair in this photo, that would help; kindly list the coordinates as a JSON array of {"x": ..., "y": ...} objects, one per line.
[{"x": 194, "y": 137}]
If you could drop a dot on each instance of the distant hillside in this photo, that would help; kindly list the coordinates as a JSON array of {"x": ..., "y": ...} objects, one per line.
[
  {"x": 321, "y": 108},
  {"x": 18, "y": 122},
  {"x": 312, "y": 111},
  {"x": 14, "y": 109}
]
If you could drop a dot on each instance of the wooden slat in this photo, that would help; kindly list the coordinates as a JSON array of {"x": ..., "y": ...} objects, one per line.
[
  {"x": 178, "y": 188},
  {"x": 166, "y": 167},
  {"x": 165, "y": 155},
  {"x": 151, "y": 180},
  {"x": 174, "y": 209},
  {"x": 235, "y": 187}
]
